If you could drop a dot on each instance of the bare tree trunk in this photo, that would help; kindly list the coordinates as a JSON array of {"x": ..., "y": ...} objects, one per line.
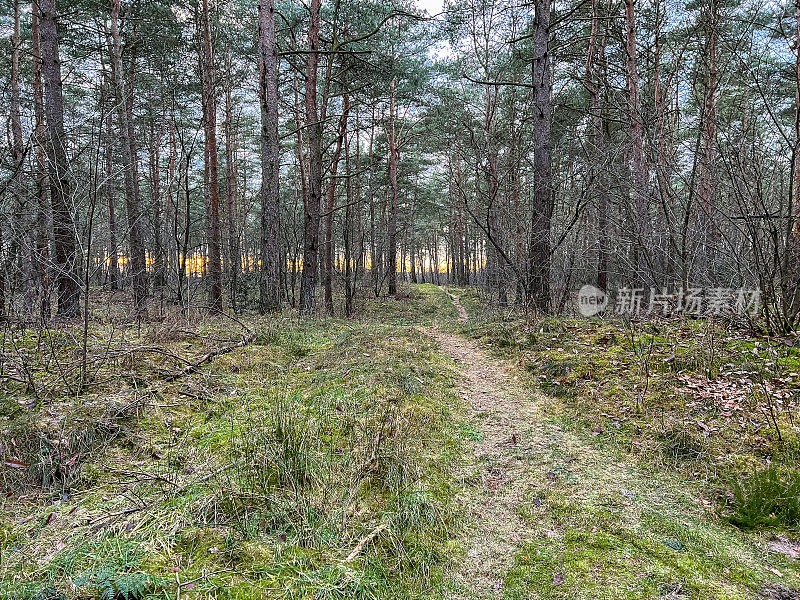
[
  {"x": 303, "y": 172},
  {"x": 157, "y": 205},
  {"x": 349, "y": 287},
  {"x": 792, "y": 252},
  {"x": 231, "y": 194},
  {"x": 23, "y": 239},
  {"x": 113, "y": 247},
  {"x": 137, "y": 262},
  {"x": 394, "y": 157},
  {"x": 705, "y": 191},
  {"x": 539, "y": 249},
  {"x": 597, "y": 55},
  {"x": 64, "y": 234},
  {"x": 641, "y": 204},
  {"x": 43, "y": 230},
  {"x": 208, "y": 84},
  {"x": 412, "y": 236},
  {"x": 375, "y": 262},
  {"x": 331, "y": 204},
  {"x": 308, "y": 282}
]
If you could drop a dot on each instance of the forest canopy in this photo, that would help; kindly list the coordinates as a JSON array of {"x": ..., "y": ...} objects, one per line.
[{"x": 239, "y": 155}]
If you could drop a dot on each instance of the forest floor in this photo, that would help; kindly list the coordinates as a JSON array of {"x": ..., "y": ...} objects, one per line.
[
  {"x": 559, "y": 512},
  {"x": 428, "y": 449}
]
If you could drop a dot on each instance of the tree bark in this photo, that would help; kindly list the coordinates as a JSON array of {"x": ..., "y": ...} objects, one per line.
[
  {"x": 137, "y": 261},
  {"x": 349, "y": 288},
  {"x": 231, "y": 195},
  {"x": 595, "y": 60},
  {"x": 44, "y": 215},
  {"x": 157, "y": 205},
  {"x": 705, "y": 192},
  {"x": 311, "y": 211},
  {"x": 23, "y": 238},
  {"x": 331, "y": 204},
  {"x": 64, "y": 234},
  {"x": 209, "y": 100},
  {"x": 792, "y": 253},
  {"x": 639, "y": 169},
  {"x": 394, "y": 157},
  {"x": 108, "y": 186},
  {"x": 270, "y": 276},
  {"x": 539, "y": 248}
]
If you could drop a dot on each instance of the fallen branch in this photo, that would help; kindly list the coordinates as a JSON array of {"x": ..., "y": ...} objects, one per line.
[
  {"x": 360, "y": 546},
  {"x": 206, "y": 358}
]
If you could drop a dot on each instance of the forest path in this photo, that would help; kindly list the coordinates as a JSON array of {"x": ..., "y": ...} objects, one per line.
[
  {"x": 508, "y": 431},
  {"x": 556, "y": 512}
]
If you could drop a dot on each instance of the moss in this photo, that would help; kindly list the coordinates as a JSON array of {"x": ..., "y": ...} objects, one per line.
[{"x": 263, "y": 471}]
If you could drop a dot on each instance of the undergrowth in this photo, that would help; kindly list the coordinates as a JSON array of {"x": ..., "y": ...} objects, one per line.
[{"x": 260, "y": 475}]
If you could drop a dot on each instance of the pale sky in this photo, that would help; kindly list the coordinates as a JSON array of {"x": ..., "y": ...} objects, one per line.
[{"x": 434, "y": 7}]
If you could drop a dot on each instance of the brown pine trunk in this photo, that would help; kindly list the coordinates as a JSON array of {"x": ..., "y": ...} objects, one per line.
[
  {"x": 64, "y": 234},
  {"x": 706, "y": 192},
  {"x": 24, "y": 239},
  {"x": 392, "y": 230},
  {"x": 595, "y": 59},
  {"x": 43, "y": 232},
  {"x": 639, "y": 169},
  {"x": 792, "y": 254},
  {"x": 412, "y": 237},
  {"x": 137, "y": 262},
  {"x": 311, "y": 211},
  {"x": 270, "y": 276},
  {"x": 348, "y": 231},
  {"x": 211, "y": 171},
  {"x": 234, "y": 265},
  {"x": 331, "y": 204},
  {"x": 113, "y": 248},
  {"x": 156, "y": 203},
  {"x": 539, "y": 249}
]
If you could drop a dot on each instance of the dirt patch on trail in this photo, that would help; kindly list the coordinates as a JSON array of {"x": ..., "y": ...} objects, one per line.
[
  {"x": 495, "y": 482},
  {"x": 462, "y": 313}
]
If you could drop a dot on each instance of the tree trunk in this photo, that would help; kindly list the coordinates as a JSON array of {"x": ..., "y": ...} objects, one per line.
[
  {"x": 705, "y": 191},
  {"x": 539, "y": 249},
  {"x": 311, "y": 211},
  {"x": 231, "y": 193},
  {"x": 595, "y": 59},
  {"x": 24, "y": 240},
  {"x": 113, "y": 248},
  {"x": 411, "y": 236},
  {"x": 349, "y": 288},
  {"x": 394, "y": 157},
  {"x": 137, "y": 261},
  {"x": 331, "y": 204},
  {"x": 642, "y": 209},
  {"x": 211, "y": 171},
  {"x": 157, "y": 205},
  {"x": 64, "y": 233},
  {"x": 43, "y": 230},
  {"x": 792, "y": 254},
  {"x": 270, "y": 275}
]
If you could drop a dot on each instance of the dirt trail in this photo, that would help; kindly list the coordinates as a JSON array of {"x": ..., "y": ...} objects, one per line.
[
  {"x": 462, "y": 313},
  {"x": 509, "y": 432},
  {"x": 520, "y": 452}
]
